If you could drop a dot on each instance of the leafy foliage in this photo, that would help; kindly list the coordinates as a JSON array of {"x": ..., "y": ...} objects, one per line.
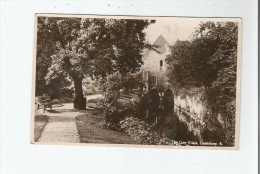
[
  {"x": 131, "y": 81},
  {"x": 110, "y": 105},
  {"x": 95, "y": 46},
  {"x": 139, "y": 131},
  {"x": 143, "y": 133},
  {"x": 113, "y": 110},
  {"x": 209, "y": 61},
  {"x": 92, "y": 46},
  {"x": 90, "y": 86},
  {"x": 46, "y": 39}
]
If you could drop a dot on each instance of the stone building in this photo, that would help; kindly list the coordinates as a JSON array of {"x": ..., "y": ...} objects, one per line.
[{"x": 154, "y": 66}]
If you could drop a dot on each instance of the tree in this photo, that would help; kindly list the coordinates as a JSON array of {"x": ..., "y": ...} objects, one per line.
[
  {"x": 199, "y": 62},
  {"x": 209, "y": 61},
  {"x": 181, "y": 70},
  {"x": 46, "y": 40},
  {"x": 95, "y": 47}
]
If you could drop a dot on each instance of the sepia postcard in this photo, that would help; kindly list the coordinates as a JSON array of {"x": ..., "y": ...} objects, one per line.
[{"x": 136, "y": 81}]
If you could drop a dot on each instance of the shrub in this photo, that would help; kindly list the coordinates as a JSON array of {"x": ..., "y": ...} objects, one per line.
[
  {"x": 142, "y": 133},
  {"x": 109, "y": 106},
  {"x": 224, "y": 132},
  {"x": 113, "y": 115},
  {"x": 113, "y": 110},
  {"x": 139, "y": 131},
  {"x": 90, "y": 86}
]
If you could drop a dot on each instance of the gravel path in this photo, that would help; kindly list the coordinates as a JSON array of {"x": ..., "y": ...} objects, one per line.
[{"x": 61, "y": 126}]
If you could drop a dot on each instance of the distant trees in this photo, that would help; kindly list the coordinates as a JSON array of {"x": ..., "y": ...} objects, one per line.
[
  {"x": 95, "y": 47},
  {"x": 209, "y": 61}
]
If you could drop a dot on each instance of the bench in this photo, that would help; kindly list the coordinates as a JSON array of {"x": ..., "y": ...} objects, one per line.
[{"x": 44, "y": 102}]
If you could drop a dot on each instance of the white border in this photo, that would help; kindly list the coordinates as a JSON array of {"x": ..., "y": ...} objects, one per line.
[
  {"x": 237, "y": 116},
  {"x": 16, "y": 43}
]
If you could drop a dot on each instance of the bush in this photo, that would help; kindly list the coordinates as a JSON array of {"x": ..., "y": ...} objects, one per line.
[
  {"x": 90, "y": 86},
  {"x": 113, "y": 116},
  {"x": 220, "y": 132},
  {"x": 144, "y": 134},
  {"x": 108, "y": 106},
  {"x": 139, "y": 131}
]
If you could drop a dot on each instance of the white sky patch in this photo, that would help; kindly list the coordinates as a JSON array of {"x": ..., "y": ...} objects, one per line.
[{"x": 172, "y": 29}]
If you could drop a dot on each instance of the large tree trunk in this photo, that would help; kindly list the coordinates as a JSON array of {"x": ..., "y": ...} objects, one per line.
[{"x": 79, "y": 100}]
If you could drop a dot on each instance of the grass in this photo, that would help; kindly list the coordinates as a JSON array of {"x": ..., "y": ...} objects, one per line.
[
  {"x": 90, "y": 132},
  {"x": 39, "y": 123}
]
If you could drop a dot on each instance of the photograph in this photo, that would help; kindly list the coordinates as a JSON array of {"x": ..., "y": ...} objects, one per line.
[{"x": 136, "y": 81}]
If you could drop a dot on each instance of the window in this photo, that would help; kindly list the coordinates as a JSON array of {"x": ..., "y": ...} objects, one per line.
[
  {"x": 161, "y": 64},
  {"x": 154, "y": 80}
]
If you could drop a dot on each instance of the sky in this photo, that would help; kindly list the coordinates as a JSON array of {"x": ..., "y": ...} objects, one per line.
[{"x": 172, "y": 29}]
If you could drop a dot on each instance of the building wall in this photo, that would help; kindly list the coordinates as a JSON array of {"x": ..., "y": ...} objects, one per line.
[
  {"x": 152, "y": 62},
  {"x": 154, "y": 66}
]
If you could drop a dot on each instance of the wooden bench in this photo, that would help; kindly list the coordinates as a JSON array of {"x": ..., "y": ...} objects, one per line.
[{"x": 43, "y": 102}]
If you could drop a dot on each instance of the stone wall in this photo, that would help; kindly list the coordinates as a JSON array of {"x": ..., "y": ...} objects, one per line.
[{"x": 189, "y": 110}]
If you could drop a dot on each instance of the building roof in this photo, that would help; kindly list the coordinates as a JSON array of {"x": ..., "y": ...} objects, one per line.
[
  {"x": 161, "y": 45},
  {"x": 160, "y": 41}
]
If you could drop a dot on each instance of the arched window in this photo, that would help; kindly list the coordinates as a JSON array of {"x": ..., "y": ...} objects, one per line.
[{"x": 161, "y": 64}]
